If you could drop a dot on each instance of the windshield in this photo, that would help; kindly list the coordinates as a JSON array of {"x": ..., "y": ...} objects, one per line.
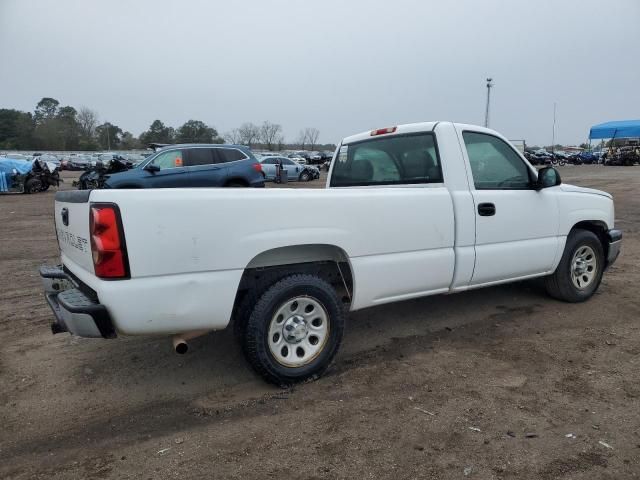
[{"x": 400, "y": 159}]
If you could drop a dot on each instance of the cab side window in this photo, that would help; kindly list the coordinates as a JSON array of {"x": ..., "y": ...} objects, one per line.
[
  {"x": 494, "y": 164},
  {"x": 170, "y": 159}
]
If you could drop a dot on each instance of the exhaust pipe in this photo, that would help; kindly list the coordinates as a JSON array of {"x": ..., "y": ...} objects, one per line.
[{"x": 180, "y": 344}]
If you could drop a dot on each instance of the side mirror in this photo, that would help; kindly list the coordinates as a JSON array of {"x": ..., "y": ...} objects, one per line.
[
  {"x": 548, "y": 177},
  {"x": 151, "y": 168}
]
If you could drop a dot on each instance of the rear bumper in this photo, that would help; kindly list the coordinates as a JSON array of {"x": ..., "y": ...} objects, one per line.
[
  {"x": 74, "y": 311},
  {"x": 615, "y": 242}
]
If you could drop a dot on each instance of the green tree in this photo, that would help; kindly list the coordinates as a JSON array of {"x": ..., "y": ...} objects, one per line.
[
  {"x": 46, "y": 134},
  {"x": 69, "y": 130},
  {"x": 108, "y": 136},
  {"x": 129, "y": 142},
  {"x": 195, "y": 131},
  {"x": 16, "y": 129},
  {"x": 157, "y": 133},
  {"x": 46, "y": 109}
]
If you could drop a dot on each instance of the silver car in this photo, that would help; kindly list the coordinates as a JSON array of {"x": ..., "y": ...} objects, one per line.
[{"x": 295, "y": 171}]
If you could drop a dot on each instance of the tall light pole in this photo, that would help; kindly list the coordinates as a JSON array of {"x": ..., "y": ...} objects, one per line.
[
  {"x": 553, "y": 135},
  {"x": 486, "y": 112}
]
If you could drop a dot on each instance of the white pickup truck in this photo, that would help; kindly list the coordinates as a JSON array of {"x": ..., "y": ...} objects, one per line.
[{"x": 408, "y": 211}]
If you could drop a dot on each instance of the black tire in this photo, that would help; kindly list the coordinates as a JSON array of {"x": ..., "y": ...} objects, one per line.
[
  {"x": 236, "y": 185},
  {"x": 560, "y": 284},
  {"x": 33, "y": 185},
  {"x": 304, "y": 177},
  {"x": 45, "y": 187},
  {"x": 256, "y": 331}
]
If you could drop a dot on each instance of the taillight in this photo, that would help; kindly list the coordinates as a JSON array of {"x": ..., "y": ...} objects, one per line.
[
  {"x": 107, "y": 242},
  {"x": 382, "y": 131},
  {"x": 257, "y": 167}
]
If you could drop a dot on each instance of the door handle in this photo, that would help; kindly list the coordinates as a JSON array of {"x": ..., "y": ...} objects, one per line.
[{"x": 486, "y": 209}]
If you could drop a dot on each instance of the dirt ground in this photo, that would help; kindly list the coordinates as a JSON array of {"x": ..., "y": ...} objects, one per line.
[{"x": 496, "y": 383}]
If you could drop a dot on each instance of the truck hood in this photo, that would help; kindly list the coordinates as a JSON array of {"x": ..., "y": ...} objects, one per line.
[{"x": 575, "y": 189}]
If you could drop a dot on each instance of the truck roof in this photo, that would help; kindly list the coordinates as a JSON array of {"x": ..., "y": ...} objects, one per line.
[
  {"x": 414, "y": 128},
  {"x": 406, "y": 128}
]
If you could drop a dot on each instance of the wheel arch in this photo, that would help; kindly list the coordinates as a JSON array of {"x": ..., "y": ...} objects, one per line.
[
  {"x": 329, "y": 262},
  {"x": 232, "y": 180},
  {"x": 597, "y": 227}
]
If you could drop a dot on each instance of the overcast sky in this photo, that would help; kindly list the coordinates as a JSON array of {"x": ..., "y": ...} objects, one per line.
[{"x": 341, "y": 66}]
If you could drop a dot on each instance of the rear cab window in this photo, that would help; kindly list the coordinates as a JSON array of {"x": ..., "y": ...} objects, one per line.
[{"x": 395, "y": 160}]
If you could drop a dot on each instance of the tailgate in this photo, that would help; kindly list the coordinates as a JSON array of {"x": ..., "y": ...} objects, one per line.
[{"x": 72, "y": 227}]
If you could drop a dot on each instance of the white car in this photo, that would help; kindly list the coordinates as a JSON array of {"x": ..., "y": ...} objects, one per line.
[
  {"x": 409, "y": 211},
  {"x": 297, "y": 159},
  {"x": 295, "y": 171}
]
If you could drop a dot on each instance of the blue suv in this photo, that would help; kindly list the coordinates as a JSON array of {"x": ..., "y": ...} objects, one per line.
[{"x": 193, "y": 165}]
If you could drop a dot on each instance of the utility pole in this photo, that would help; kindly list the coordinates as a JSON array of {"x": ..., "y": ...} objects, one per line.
[
  {"x": 553, "y": 135},
  {"x": 486, "y": 112}
]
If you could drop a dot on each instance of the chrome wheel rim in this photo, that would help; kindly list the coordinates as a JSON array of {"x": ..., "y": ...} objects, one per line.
[
  {"x": 298, "y": 331},
  {"x": 584, "y": 267}
]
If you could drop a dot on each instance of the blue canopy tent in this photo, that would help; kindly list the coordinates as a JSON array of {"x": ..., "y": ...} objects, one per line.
[{"x": 617, "y": 129}]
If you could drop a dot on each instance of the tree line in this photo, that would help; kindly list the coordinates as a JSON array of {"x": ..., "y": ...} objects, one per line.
[{"x": 54, "y": 127}]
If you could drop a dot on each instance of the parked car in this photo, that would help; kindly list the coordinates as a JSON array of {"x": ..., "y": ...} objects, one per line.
[
  {"x": 326, "y": 155},
  {"x": 193, "y": 165},
  {"x": 315, "y": 157},
  {"x": 96, "y": 176},
  {"x": 295, "y": 171},
  {"x": 588, "y": 158},
  {"x": 297, "y": 159},
  {"x": 17, "y": 156},
  {"x": 24, "y": 176},
  {"x": 79, "y": 162},
  {"x": 187, "y": 262},
  {"x": 304, "y": 154}
]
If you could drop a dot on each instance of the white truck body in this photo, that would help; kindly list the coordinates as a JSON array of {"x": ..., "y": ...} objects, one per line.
[{"x": 189, "y": 248}]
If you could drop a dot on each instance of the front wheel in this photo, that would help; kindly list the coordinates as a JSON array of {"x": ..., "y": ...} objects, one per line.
[
  {"x": 580, "y": 269},
  {"x": 33, "y": 185},
  {"x": 294, "y": 330},
  {"x": 304, "y": 177}
]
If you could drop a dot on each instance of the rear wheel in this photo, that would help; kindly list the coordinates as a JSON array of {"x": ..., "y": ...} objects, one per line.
[
  {"x": 294, "y": 330},
  {"x": 580, "y": 269},
  {"x": 236, "y": 185}
]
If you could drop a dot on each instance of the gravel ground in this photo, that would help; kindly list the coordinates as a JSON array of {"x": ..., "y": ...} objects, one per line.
[{"x": 496, "y": 383}]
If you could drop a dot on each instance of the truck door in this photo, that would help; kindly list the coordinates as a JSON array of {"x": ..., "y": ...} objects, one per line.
[{"x": 516, "y": 226}]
